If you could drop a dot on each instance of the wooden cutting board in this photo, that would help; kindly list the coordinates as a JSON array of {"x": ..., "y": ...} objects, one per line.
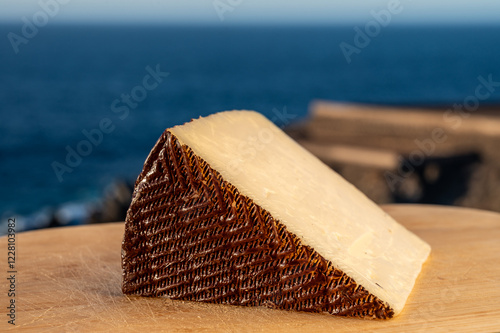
[{"x": 68, "y": 279}]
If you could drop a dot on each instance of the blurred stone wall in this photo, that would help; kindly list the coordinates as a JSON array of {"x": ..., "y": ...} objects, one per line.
[{"x": 408, "y": 155}]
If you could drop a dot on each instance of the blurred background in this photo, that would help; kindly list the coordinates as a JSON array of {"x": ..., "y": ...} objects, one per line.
[{"x": 400, "y": 97}]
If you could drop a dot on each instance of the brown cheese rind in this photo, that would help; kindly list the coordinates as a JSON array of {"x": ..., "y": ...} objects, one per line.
[{"x": 191, "y": 235}]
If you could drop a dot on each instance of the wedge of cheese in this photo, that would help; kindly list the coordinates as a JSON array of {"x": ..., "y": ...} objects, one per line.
[{"x": 229, "y": 209}]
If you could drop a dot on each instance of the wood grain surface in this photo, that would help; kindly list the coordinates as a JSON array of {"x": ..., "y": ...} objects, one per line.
[{"x": 68, "y": 279}]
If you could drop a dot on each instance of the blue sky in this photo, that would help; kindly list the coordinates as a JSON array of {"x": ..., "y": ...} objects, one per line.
[{"x": 250, "y": 11}]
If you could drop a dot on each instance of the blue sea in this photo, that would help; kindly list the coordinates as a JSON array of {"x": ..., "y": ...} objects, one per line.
[{"x": 69, "y": 82}]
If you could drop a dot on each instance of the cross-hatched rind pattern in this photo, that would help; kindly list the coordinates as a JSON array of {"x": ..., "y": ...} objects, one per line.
[{"x": 191, "y": 235}]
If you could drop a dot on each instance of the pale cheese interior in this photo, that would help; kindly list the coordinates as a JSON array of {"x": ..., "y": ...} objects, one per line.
[{"x": 311, "y": 200}]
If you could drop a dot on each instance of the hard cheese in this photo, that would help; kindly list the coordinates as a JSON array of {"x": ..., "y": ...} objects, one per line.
[{"x": 230, "y": 209}]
